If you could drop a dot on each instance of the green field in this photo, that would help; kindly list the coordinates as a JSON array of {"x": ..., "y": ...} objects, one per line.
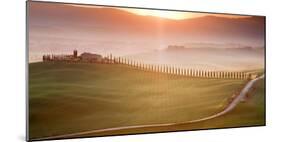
[
  {"x": 69, "y": 98},
  {"x": 249, "y": 113}
]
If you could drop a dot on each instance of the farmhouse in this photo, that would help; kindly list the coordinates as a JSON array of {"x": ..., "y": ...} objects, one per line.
[
  {"x": 90, "y": 57},
  {"x": 84, "y": 57}
]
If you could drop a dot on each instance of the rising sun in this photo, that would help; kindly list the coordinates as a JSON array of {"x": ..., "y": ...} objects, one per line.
[
  {"x": 174, "y": 15},
  {"x": 163, "y": 14}
]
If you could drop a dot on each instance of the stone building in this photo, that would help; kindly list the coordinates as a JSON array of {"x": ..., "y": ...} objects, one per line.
[{"x": 90, "y": 57}]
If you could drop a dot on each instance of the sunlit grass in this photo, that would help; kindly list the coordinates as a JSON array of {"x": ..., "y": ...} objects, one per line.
[{"x": 68, "y": 98}]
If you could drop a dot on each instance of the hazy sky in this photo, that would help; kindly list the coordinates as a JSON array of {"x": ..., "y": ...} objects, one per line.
[
  {"x": 60, "y": 28},
  {"x": 174, "y": 15}
]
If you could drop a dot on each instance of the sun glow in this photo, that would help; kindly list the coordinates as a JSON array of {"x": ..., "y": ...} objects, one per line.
[
  {"x": 163, "y": 14},
  {"x": 174, "y": 15}
]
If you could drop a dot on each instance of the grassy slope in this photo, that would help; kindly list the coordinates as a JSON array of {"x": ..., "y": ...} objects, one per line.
[
  {"x": 69, "y": 98},
  {"x": 249, "y": 113}
]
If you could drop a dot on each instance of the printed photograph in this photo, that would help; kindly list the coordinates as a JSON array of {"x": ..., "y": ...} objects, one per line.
[{"x": 102, "y": 70}]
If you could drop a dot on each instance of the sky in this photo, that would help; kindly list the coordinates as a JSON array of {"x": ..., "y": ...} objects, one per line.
[
  {"x": 60, "y": 28},
  {"x": 174, "y": 15}
]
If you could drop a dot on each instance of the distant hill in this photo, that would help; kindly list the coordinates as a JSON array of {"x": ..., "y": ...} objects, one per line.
[
  {"x": 230, "y": 59},
  {"x": 116, "y": 20},
  {"x": 213, "y": 47}
]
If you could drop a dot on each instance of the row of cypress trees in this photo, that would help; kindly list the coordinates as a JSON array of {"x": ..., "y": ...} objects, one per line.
[{"x": 178, "y": 70}]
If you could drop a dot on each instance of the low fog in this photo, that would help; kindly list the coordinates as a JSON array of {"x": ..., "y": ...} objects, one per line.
[{"x": 218, "y": 59}]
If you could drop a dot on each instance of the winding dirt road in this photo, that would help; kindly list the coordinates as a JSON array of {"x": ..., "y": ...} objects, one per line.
[{"x": 230, "y": 107}]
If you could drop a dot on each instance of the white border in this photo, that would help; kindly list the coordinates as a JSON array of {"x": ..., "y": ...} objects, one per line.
[{"x": 12, "y": 58}]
